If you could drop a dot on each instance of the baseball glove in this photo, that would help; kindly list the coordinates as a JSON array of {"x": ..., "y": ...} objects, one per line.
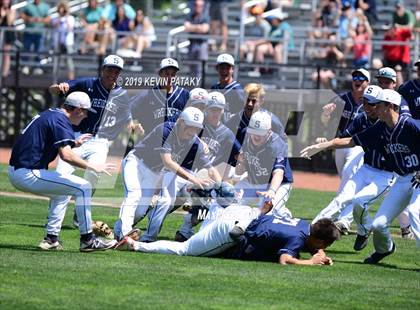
[{"x": 102, "y": 229}]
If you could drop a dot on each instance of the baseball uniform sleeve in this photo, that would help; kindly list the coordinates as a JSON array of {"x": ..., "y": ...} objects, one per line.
[
  {"x": 62, "y": 133},
  {"x": 292, "y": 247},
  {"x": 367, "y": 138}
]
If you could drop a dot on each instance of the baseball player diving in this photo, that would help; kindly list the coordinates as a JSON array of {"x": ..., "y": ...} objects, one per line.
[{"x": 49, "y": 134}]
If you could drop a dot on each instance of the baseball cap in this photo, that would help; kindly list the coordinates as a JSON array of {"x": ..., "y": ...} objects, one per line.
[
  {"x": 259, "y": 124},
  {"x": 79, "y": 99},
  {"x": 399, "y": 3},
  {"x": 192, "y": 117},
  {"x": 388, "y": 73},
  {"x": 225, "y": 59},
  {"x": 199, "y": 96},
  {"x": 216, "y": 100},
  {"x": 371, "y": 94},
  {"x": 417, "y": 63},
  {"x": 168, "y": 62},
  {"x": 113, "y": 61},
  {"x": 346, "y": 5},
  {"x": 390, "y": 96},
  {"x": 362, "y": 71}
]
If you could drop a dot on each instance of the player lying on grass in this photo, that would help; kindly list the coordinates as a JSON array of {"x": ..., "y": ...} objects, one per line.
[
  {"x": 247, "y": 233},
  {"x": 49, "y": 134},
  {"x": 397, "y": 138}
]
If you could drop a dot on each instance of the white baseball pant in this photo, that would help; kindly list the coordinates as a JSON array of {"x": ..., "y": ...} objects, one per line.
[
  {"x": 211, "y": 240},
  {"x": 362, "y": 189},
  {"x": 400, "y": 195},
  {"x": 139, "y": 184},
  {"x": 52, "y": 184},
  {"x": 247, "y": 194},
  {"x": 171, "y": 185},
  {"x": 95, "y": 150}
]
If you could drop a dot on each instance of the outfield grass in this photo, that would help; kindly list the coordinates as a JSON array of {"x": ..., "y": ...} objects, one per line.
[{"x": 35, "y": 279}]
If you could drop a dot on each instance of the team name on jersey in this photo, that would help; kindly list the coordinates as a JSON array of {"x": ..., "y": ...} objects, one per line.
[
  {"x": 347, "y": 114},
  {"x": 397, "y": 148},
  {"x": 169, "y": 112},
  {"x": 111, "y": 107},
  {"x": 213, "y": 145},
  {"x": 98, "y": 103},
  {"x": 417, "y": 102},
  {"x": 255, "y": 161}
]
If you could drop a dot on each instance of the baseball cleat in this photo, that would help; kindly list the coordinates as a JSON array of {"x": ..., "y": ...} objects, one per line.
[
  {"x": 126, "y": 244},
  {"x": 180, "y": 237},
  {"x": 48, "y": 245},
  {"x": 97, "y": 244},
  {"x": 344, "y": 230},
  {"x": 361, "y": 242},
  {"x": 377, "y": 257},
  {"x": 236, "y": 232},
  {"x": 406, "y": 233}
]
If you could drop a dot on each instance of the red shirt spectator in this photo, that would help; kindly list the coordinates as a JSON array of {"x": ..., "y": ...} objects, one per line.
[{"x": 397, "y": 54}]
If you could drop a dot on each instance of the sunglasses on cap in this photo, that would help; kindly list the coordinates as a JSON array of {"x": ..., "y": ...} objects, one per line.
[{"x": 359, "y": 78}]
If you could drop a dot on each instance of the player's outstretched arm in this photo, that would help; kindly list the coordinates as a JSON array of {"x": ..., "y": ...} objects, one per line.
[
  {"x": 215, "y": 175},
  {"x": 275, "y": 183},
  {"x": 336, "y": 143},
  {"x": 317, "y": 259},
  {"x": 57, "y": 89}
]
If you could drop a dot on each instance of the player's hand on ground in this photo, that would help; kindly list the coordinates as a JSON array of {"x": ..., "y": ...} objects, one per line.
[
  {"x": 82, "y": 139},
  {"x": 415, "y": 181},
  {"x": 310, "y": 151},
  {"x": 318, "y": 259},
  {"x": 106, "y": 168},
  {"x": 321, "y": 140},
  {"x": 63, "y": 87}
]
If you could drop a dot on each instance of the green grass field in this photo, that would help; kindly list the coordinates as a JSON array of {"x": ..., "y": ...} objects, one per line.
[{"x": 35, "y": 279}]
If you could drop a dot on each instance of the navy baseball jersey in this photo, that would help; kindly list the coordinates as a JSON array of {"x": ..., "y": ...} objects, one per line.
[
  {"x": 239, "y": 122},
  {"x": 410, "y": 91},
  {"x": 372, "y": 157},
  {"x": 222, "y": 144},
  {"x": 234, "y": 95},
  {"x": 399, "y": 145},
  {"x": 268, "y": 237},
  {"x": 351, "y": 109},
  {"x": 98, "y": 95},
  {"x": 164, "y": 139},
  {"x": 39, "y": 142},
  {"x": 153, "y": 107},
  {"x": 261, "y": 161}
]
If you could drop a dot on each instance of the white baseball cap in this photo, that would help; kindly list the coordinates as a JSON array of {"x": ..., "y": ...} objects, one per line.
[
  {"x": 216, "y": 100},
  {"x": 79, "y": 99},
  {"x": 388, "y": 73},
  {"x": 390, "y": 96},
  {"x": 364, "y": 72},
  {"x": 192, "y": 117},
  {"x": 225, "y": 59},
  {"x": 259, "y": 124},
  {"x": 371, "y": 94},
  {"x": 417, "y": 63},
  {"x": 113, "y": 61},
  {"x": 199, "y": 96},
  {"x": 168, "y": 62}
]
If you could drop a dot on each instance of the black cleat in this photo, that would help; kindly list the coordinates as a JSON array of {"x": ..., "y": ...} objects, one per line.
[
  {"x": 377, "y": 257},
  {"x": 236, "y": 232},
  {"x": 361, "y": 242},
  {"x": 180, "y": 237}
]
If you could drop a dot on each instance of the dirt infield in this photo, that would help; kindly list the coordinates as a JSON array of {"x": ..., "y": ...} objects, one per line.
[{"x": 305, "y": 180}]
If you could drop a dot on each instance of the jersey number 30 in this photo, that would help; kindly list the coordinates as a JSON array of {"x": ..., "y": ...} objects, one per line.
[{"x": 411, "y": 161}]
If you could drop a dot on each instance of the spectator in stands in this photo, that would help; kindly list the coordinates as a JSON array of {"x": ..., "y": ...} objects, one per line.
[
  {"x": 369, "y": 9},
  {"x": 362, "y": 47},
  {"x": 260, "y": 28},
  {"x": 63, "y": 25},
  {"x": 92, "y": 22},
  {"x": 329, "y": 55},
  {"x": 122, "y": 25},
  {"x": 218, "y": 21},
  {"x": 347, "y": 20},
  {"x": 144, "y": 33},
  {"x": 397, "y": 55},
  {"x": 329, "y": 12},
  {"x": 108, "y": 16},
  {"x": 36, "y": 17},
  {"x": 402, "y": 17},
  {"x": 197, "y": 23},
  {"x": 7, "y": 19},
  {"x": 280, "y": 30}
]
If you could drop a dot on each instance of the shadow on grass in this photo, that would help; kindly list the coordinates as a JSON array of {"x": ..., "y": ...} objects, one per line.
[
  {"x": 342, "y": 252},
  {"x": 383, "y": 265}
]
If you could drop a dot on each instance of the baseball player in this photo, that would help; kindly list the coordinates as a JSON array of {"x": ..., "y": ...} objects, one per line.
[
  {"x": 396, "y": 136},
  {"x": 387, "y": 79},
  {"x": 162, "y": 103},
  {"x": 348, "y": 160},
  {"x": 264, "y": 158},
  {"x": 239, "y": 121},
  {"x": 178, "y": 146},
  {"x": 198, "y": 98},
  {"x": 266, "y": 238},
  {"x": 49, "y": 134},
  {"x": 410, "y": 91},
  {"x": 230, "y": 88},
  {"x": 222, "y": 146},
  {"x": 112, "y": 114},
  {"x": 369, "y": 182}
]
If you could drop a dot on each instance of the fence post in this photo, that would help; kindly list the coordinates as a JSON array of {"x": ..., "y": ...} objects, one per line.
[{"x": 18, "y": 96}]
